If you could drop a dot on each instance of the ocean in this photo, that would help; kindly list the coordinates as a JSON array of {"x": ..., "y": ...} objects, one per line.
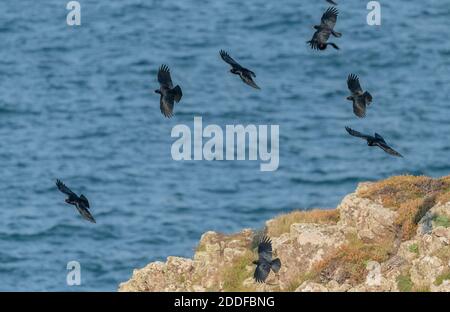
[{"x": 77, "y": 103}]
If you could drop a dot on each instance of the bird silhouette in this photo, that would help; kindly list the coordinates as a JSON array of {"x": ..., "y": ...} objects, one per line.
[
  {"x": 359, "y": 98},
  {"x": 169, "y": 94},
  {"x": 376, "y": 140},
  {"x": 245, "y": 74},
  {"x": 323, "y": 32},
  {"x": 80, "y": 202},
  {"x": 332, "y": 2},
  {"x": 265, "y": 263}
]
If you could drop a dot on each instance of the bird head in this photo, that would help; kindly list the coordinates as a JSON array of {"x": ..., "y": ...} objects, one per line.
[
  {"x": 255, "y": 262},
  {"x": 233, "y": 71},
  {"x": 316, "y": 27},
  {"x": 322, "y": 46},
  {"x": 349, "y": 98},
  {"x": 158, "y": 91}
]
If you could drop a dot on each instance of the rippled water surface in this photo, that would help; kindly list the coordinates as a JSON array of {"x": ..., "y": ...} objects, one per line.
[{"x": 77, "y": 103}]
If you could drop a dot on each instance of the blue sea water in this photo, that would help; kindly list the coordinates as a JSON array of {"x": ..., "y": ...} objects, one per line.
[{"x": 77, "y": 103}]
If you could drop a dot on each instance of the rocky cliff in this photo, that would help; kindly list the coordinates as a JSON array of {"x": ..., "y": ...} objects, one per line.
[{"x": 392, "y": 235}]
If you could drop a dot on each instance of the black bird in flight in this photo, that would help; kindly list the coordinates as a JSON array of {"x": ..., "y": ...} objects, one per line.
[
  {"x": 244, "y": 73},
  {"x": 376, "y": 140},
  {"x": 168, "y": 93},
  {"x": 332, "y": 2},
  {"x": 320, "y": 38},
  {"x": 359, "y": 98},
  {"x": 81, "y": 202},
  {"x": 265, "y": 263}
]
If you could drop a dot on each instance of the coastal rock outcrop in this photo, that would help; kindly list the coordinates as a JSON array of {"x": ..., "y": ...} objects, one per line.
[{"x": 392, "y": 235}]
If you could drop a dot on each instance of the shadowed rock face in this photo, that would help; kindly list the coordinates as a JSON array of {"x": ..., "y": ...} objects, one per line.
[{"x": 319, "y": 256}]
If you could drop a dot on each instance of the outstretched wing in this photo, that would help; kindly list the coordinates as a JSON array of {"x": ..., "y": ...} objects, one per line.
[
  {"x": 261, "y": 272},
  {"x": 177, "y": 93},
  {"x": 164, "y": 78},
  {"x": 329, "y": 18},
  {"x": 389, "y": 149},
  {"x": 332, "y": 2},
  {"x": 64, "y": 189},
  {"x": 359, "y": 107},
  {"x": 353, "y": 84},
  {"x": 166, "y": 104},
  {"x": 227, "y": 58},
  {"x": 265, "y": 249},
  {"x": 356, "y": 133}
]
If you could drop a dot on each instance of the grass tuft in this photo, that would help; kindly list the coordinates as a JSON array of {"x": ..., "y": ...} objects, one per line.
[
  {"x": 443, "y": 277},
  {"x": 410, "y": 196},
  {"x": 300, "y": 279},
  {"x": 282, "y": 223},
  {"x": 404, "y": 283},
  {"x": 352, "y": 259},
  {"x": 234, "y": 275},
  {"x": 414, "y": 248},
  {"x": 442, "y": 221}
]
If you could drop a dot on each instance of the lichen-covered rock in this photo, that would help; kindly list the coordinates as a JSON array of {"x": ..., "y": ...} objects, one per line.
[
  {"x": 374, "y": 277},
  {"x": 444, "y": 287},
  {"x": 426, "y": 269},
  {"x": 428, "y": 222},
  {"x": 409, "y": 250},
  {"x": 311, "y": 287},
  {"x": 306, "y": 244},
  {"x": 443, "y": 234},
  {"x": 371, "y": 220},
  {"x": 430, "y": 243},
  {"x": 180, "y": 274},
  {"x": 441, "y": 209},
  {"x": 174, "y": 275},
  {"x": 320, "y": 255}
]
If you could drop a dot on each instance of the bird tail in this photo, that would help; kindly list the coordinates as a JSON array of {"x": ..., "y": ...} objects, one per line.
[
  {"x": 368, "y": 97},
  {"x": 336, "y": 34},
  {"x": 333, "y": 45},
  {"x": 276, "y": 265},
  {"x": 177, "y": 94}
]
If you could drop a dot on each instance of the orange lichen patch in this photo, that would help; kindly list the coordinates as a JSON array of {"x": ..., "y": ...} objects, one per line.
[
  {"x": 394, "y": 191},
  {"x": 349, "y": 261},
  {"x": 410, "y": 196},
  {"x": 282, "y": 223}
]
